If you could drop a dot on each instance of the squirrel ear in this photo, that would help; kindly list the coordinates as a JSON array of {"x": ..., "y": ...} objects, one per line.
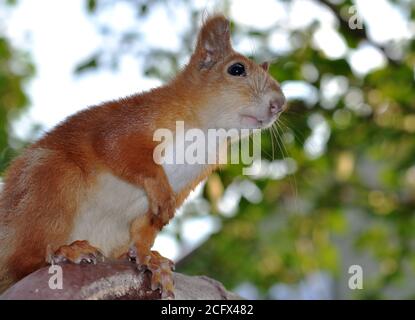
[
  {"x": 265, "y": 65},
  {"x": 213, "y": 41}
]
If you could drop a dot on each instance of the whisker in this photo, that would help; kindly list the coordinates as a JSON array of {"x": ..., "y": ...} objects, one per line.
[
  {"x": 266, "y": 153},
  {"x": 278, "y": 139},
  {"x": 293, "y": 130},
  {"x": 272, "y": 142},
  {"x": 291, "y": 177}
]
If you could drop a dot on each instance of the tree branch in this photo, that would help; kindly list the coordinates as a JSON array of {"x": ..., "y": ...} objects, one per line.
[{"x": 111, "y": 280}]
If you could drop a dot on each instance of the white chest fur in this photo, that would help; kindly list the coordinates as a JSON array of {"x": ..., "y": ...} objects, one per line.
[
  {"x": 181, "y": 170},
  {"x": 104, "y": 218},
  {"x": 180, "y": 175}
]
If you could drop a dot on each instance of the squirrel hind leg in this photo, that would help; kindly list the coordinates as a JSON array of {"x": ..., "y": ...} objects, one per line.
[
  {"x": 79, "y": 251},
  {"x": 144, "y": 232}
]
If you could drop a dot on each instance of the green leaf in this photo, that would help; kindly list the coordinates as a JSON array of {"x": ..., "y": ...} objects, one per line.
[{"x": 87, "y": 65}]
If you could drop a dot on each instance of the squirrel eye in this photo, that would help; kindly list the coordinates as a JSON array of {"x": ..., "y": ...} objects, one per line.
[{"x": 237, "y": 69}]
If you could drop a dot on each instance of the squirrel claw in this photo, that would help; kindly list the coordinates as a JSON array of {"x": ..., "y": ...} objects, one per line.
[
  {"x": 161, "y": 273},
  {"x": 77, "y": 252},
  {"x": 132, "y": 254}
]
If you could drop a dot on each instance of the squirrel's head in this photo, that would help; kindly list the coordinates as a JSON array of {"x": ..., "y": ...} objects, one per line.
[{"x": 235, "y": 92}]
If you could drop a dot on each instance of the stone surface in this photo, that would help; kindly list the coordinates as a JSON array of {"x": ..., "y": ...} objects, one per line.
[{"x": 111, "y": 280}]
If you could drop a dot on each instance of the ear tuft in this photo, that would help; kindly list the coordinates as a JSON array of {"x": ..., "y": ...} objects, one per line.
[
  {"x": 213, "y": 42},
  {"x": 265, "y": 65}
]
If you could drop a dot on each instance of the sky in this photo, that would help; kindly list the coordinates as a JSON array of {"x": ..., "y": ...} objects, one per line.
[{"x": 59, "y": 34}]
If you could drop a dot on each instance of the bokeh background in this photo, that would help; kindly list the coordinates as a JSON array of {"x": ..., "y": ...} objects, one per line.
[{"x": 337, "y": 181}]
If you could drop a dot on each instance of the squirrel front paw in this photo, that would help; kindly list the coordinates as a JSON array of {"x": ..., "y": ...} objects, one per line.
[
  {"x": 79, "y": 251},
  {"x": 162, "y": 201},
  {"x": 162, "y": 211},
  {"x": 161, "y": 270}
]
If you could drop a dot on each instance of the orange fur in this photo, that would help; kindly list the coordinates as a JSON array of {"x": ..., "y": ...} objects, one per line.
[{"x": 46, "y": 186}]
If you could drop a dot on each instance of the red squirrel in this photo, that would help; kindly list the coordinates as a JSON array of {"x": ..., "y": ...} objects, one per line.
[{"x": 90, "y": 187}]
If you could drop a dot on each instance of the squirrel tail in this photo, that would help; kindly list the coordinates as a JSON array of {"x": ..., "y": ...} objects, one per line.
[{"x": 6, "y": 279}]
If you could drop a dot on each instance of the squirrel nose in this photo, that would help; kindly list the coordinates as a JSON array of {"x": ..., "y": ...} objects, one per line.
[{"x": 276, "y": 105}]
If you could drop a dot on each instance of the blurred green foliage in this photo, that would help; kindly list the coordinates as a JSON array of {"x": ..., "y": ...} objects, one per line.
[
  {"x": 15, "y": 69},
  {"x": 360, "y": 187}
]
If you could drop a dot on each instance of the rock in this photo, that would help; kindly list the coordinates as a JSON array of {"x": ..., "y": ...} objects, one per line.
[{"x": 111, "y": 280}]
